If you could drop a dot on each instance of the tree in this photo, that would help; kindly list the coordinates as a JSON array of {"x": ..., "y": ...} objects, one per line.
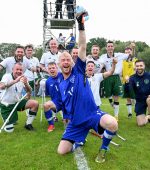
[
  {"x": 101, "y": 42},
  {"x": 7, "y": 49},
  {"x": 38, "y": 52},
  {"x": 120, "y": 46},
  {"x": 145, "y": 55},
  {"x": 141, "y": 46}
]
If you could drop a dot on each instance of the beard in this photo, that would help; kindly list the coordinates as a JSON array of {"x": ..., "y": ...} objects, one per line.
[
  {"x": 140, "y": 72},
  {"x": 18, "y": 57}
]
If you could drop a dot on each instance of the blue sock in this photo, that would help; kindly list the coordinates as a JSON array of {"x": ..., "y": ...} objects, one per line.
[
  {"x": 48, "y": 116},
  {"x": 107, "y": 137}
]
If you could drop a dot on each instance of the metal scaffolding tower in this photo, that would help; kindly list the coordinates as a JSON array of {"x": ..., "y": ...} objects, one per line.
[{"x": 51, "y": 23}]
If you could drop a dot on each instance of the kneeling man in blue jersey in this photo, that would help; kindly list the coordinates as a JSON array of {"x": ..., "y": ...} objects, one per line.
[{"x": 78, "y": 101}]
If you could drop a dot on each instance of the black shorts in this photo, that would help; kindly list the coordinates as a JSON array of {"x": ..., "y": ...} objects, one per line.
[{"x": 140, "y": 107}]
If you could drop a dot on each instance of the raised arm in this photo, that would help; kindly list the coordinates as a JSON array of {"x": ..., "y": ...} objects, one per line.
[
  {"x": 111, "y": 71},
  {"x": 4, "y": 85},
  {"x": 26, "y": 84},
  {"x": 43, "y": 68},
  {"x": 80, "y": 15}
]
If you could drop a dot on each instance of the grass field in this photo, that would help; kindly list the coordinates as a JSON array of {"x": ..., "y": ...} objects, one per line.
[{"x": 37, "y": 150}]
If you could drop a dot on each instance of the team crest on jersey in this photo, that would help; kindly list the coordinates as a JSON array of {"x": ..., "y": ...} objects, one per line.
[
  {"x": 72, "y": 79},
  {"x": 146, "y": 81},
  {"x": 52, "y": 60},
  {"x": 137, "y": 84},
  {"x": 129, "y": 65},
  {"x": 97, "y": 65}
]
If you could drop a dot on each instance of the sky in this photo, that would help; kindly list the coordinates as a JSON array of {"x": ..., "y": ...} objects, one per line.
[{"x": 21, "y": 21}]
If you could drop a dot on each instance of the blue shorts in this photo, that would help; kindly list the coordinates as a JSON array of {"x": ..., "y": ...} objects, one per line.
[
  {"x": 80, "y": 132},
  {"x": 140, "y": 107}
]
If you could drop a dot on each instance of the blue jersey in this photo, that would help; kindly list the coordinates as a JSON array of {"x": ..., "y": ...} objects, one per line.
[
  {"x": 140, "y": 86},
  {"x": 76, "y": 94},
  {"x": 52, "y": 86}
]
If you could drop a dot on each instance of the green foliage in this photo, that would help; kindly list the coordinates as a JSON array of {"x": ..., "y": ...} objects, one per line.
[
  {"x": 141, "y": 46},
  {"x": 120, "y": 46},
  {"x": 145, "y": 55},
  {"x": 103, "y": 50},
  {"x": 101, "y": 42},
  {"x": 38, "y": 52},
  {"x": 38, "y": 150},
  {"x": 7, "y": 49}
]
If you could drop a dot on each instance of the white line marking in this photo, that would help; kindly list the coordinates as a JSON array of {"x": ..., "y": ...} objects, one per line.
[{"x": 80, "y": 159}]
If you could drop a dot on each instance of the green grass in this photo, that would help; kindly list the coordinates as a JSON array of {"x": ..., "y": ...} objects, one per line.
[{"x": 37, "y": 150}]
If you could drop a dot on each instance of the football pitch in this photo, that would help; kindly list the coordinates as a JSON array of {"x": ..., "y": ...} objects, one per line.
[{"x": 38, "y": 150}]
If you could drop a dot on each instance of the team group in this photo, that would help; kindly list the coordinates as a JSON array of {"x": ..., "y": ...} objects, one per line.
[{"x": 72, "y": 81}]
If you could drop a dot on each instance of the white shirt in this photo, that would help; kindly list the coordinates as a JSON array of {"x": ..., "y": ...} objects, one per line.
[
  {"x": 94, "y": 82},
  {"x": 49, "y": 57},
  {"x": 61, "y": 40},
  {"x": 107, "y": 61},
  {"x": 12, "y": 94},
  {"x": 9, "y": 63},
  {"x": 98, "y": 65},
  {"x": 34, "y": 62}
]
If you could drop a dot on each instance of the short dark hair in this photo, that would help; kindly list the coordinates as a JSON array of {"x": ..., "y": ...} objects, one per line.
[
  {"x": 128, "y": 48},
  {"x": 90, "y": 61},
  {"x": 52, "y": 63},
  {"x": 19, "y": 46},
  {"x": 140, "y": 60},
  {"x": 60, "y": 34},
  {"x": 109, "y": 41}
]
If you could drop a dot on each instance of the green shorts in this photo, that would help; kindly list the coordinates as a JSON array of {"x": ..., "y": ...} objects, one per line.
[
  {"x": 6, "y": 110},
  {"x": 31, "y": 83},
  {"x": 128, "y": 94},
  {"x": 112, "y": 86}
]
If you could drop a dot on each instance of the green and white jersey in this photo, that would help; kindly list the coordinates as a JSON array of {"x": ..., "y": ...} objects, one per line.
[
  {"x": 98, "y": 65},
  {"x": 107, "y": 61},
  {"x": 34, "y": 62},
  {"x": 49, "y": 57},
  {"x": 12, "y": 94},
  {"x": 9, "y": 63}
]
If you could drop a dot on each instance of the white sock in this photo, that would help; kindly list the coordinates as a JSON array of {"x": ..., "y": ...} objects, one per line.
[
  {"x": 30, "y": 119},
  {"x": 116, "y": 110},
  {"x": 129, "y": 108},
  {"x": 54, "y": 114}
]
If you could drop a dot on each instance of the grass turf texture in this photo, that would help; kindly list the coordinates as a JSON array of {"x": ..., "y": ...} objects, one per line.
[{"x": 38, "y": 150}]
